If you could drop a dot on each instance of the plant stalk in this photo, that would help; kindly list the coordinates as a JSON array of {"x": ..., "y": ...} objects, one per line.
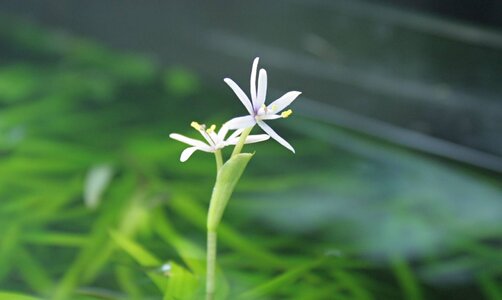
[
  {"x": 219, "y": 159},
  {"x": 242, "y": 140},
  {"x": 211, "y": 265}
]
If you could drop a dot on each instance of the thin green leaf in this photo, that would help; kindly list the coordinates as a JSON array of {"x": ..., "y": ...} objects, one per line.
[
  {"x": 16, "y": 296},
  {"x": 141, "y": 255},
  {"x": 191, "y": 254},
  {"x": 33, "y": 272},
  {"x": 194, "y": 213},
  {"x": 280, "y": 281},
  {"x": 490, "y": 287},
  {"x": 407, "y": 280},
  {"x": 182, "y": 284}
]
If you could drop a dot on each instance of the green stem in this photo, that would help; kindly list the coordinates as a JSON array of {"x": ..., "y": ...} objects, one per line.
[
  {"x": 211, "y": 264},
  {"x": 242, "y": 140},
  {"x": 219, "y": 159}
]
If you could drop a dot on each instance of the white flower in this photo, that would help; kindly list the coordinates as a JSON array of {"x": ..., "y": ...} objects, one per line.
[
  {"x": 214, "y": 141},
  {"x": 258, "y": 111}
]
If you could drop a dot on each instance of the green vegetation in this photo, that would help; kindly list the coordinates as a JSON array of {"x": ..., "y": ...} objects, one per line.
[{"x": 94, "y": 203}]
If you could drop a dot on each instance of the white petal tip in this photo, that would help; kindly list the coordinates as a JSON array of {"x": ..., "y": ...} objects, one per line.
[
  {"x": 185, "y": 155},
  {"x": 295, "y": 94},
  {"x": 229, "y": 81}
]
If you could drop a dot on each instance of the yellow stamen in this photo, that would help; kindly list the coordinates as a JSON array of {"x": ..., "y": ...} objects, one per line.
[
  {"x": 211, "y": 129},
  {"x": 196, "y": 125},
  {"x": 273, "y": 108},
  {"x": 264, "y": 107},
  {"x": 286, "y": 113}
]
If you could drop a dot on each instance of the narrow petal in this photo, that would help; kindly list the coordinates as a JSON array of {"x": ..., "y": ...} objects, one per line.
[
  {"x": 262, "y": 90},
  {"x": 275, "y": 136},
  {"x": 255, "y": 138},
  {"x": 252, "y": 83},
  {"x": 241, "y": 122},
  {"x": 283, "y": 102},
  {"x": 189, "y": 141},
  {"x": 240, "y": 94},
  {"x": 270, "y": 117},
  {"x": 249, "y": 140},
  {"x": 223, "y": 132},
  {"x": 236, "y": 133},
  {"x": 185, "y": 155}
]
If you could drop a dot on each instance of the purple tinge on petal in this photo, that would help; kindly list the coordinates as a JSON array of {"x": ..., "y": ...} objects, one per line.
[
  {"x": 262, "y": 90},
  {"x": 252, "y": 82},
  {"x": 275, "y": 136}
]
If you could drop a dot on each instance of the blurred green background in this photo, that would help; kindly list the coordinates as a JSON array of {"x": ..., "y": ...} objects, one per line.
[{"x": 395, "y": 191}]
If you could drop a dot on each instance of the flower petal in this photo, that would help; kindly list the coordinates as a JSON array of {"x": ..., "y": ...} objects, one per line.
[
  {"x": 223, "y": 132},
  {"x": 262, "y": 90},
  {"x": 240, "y": 94},
  {"x": 252, "y": 83},
  {"x": 214, "y": 137},
  {"x": 189, "y": 141},
  {"x": 275, "y": 136},
  {"x": 270, "y": 117},
  {"x": 236, "y": 133},
  {"x": 249, "y": 140},
  {"x": 185, "y": 155},
  {"x": 283, "y": 102},
  {"x": 241, "y": 122},
  {"x": 255, "y": 138}
]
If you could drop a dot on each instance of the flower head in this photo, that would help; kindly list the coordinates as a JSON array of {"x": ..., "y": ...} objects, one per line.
[
  {"x": 258, "y": 111},
  {"x": 214, "y": 140}
]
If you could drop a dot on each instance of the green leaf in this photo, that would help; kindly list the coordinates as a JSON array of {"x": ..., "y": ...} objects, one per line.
[
  {"x": 280, "y": 282},
  {"x": 227, "y": 178},
  {"x": 141, "y": 255},
  {"x": 15, "y": 296},
  {"x": 182, "y": 284},
  {"x": 176, "y": 281},
  {"x": 192, "y": 255},
  {"x": 404, "y": 273},
  {"x": 195, "y": 213}
]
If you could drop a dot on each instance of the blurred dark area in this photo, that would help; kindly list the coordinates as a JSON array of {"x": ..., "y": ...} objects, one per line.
[
  {"x": 417, "y": 73},
  {"x": 483, "y": 12}
]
